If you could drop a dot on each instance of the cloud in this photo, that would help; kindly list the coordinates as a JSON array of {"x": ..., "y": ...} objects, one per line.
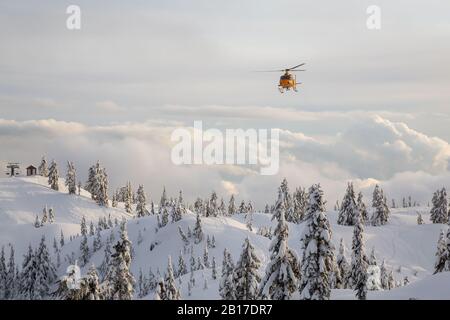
[
  {"x": 109, "y": 106},
  {"x": 372, "y": 150}
]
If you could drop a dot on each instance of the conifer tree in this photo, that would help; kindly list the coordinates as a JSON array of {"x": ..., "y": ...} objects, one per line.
[
  {"x": 71, "y": 178},
  {"x": 182, "y": 268},
  {"x": 198, "y": 233},
  {"x": 441, "y": 253},
  {"x": 120, "y": 279},
  {"x": 384, "y": 276},
  {"x": 3, "y": 273},
  {"x": 231, "y": 206},
  {"x": 61, "y": 239},
  {"x": 318, "y": 257},
  {"x": 45, "y": 271},
  {"x": 283, "y": 270},
  {"x": 214, "y": 269},
  {"x": 226, "y": 284},
  {"x": 380, "y": 214},
  {"x": 84, "y": 250},
  {"x": 27, "y": 276},
  {"x": 419, "y": 219},
  {"x": 358, "y": 268},
  {"x": 246, "y": 278},
  {"x": 42, "y": 169},
  {"x": 172, "y": 292},
  {"x": 349, "y": 209},
  {"x": 10, "y": 277},
  {"x": 439, "y": 213},
  {"x": 342, "y": 263},
  {"x": 362, "y": 208},
  {"x": 53, "y": 176},
  {"x": 141, "y": 211}
]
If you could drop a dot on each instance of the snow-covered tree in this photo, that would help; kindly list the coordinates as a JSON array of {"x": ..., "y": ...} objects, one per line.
[
  {"x": 362, "y": 208},
  {"x": 10, "y": 276},
  {"x": 231, "y": 206},
  {"x": 384, "y": 276},
  {"x": 119, "y": 277},
  {"x": 348, "y": 210},
  {"x": 42, "y": 169},
  {"x": 300, "y": 202},
  {"x": 358, "y": 268},
  {"x": 45, "y": 271},
  {"x": 3, "y": 272},
  {"x": 439, "y": 213},
  {"x": 419, "y": 219},
  {"x": 141, "y": 211},
  {"x": 182, "y": 268},
  {"x": 441, "y": 253},
  {"x": 342, "y": 263},
  {"x": 172, "y": 292},
  {"x": 198, "y": 232},
  {"x": 318, "y": 256},
  {"x": 97, "y": 244},
  {"x": 53, "y": 176},
  {"x": 246, "y": 278},
  {"x": 214, "y": 269},
  {"x": 381, "y": 212},
  {"x": 51, "y": 215},
  {"x": 44, "y": 216},
  {"x": 84, "y": 250},
  {"x": 283, "y": 270},
  {"x": 27, "y": 276},
  {"x": 71, "y": 182},
  {"x": 226, "y": 284}
]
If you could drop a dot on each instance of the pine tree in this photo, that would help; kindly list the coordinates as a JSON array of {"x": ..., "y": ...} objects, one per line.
[
  {"x": 141, "y": 211},
  {"x": 283, "y": 271},
  {"x": 231, "y": 206},
  {"x": 441, "y": 253},
  {"x": 37, "y": 222},
  {"x": 198, "y": 233},
  {"x": 10, "y": 279},
  {"x": 53, "y": 176},
  {"x": 349, "y": 209},
  {"x": 3, "y": 273},
  {"x": 91, "y": 285},
  {"x": 121, "y": 281},
  {"x": 83, "y": 227},
  {"x": 71, "y": 178},
  {"x": 206, "y": 257},
  {"x": 226, "y": 285},
  {"x": 447, "y": 262},
  {"x": 384, "y": 276},
  {"x": 182, "y": 268},
  {"x": 61, "y": 239},
  {"x": 300, "y": 202},
  {"x": 44, "y": 216},
  {"x": 42, "y": 170},
  {"x": 84, "y": 250},
  {"x": 91, "y": 229},
  {"x": 358, "y": 268},
  {"x": 45, "y": 271},
  {"x": 287, "y": 202},
  {"x": 97, "y": 241},
  {"x": 27, "y": 276},
  {"x": 380, "y": 214},
  {"x": 51, "y": 215},
  {"x": 214, "y": 269},
  {"x": 362, "y": 208},
  {"x": 246, "y": 278},
  {"x": 344, "y": 267},
  {"x": 172, "y": 292},
  {"x": 439, "y": 213},
  {"x": 318, "y": 256}
]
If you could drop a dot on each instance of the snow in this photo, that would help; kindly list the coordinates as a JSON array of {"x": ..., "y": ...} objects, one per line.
[{"x": 408, "y": 248}]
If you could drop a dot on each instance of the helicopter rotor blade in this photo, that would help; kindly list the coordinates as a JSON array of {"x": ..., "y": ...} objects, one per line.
[
  {"x": 269, "y": 71},
  {"x": 301, "y": 64},
  {"x": 297, "y": 70}
]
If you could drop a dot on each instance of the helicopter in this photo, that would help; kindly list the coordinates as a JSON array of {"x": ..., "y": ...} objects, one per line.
[{"x": 288, "y": 81}]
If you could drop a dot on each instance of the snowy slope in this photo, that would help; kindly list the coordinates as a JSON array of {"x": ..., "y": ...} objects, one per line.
[
  {"x": 21, "y": 198},
  {"x": 408, "y": 248}
]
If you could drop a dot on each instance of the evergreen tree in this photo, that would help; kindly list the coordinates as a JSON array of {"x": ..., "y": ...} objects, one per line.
[
  {"x": 300, "y": 202},
  {"x": 42, "y": 169},
  {"x": 318, "y": 257},
  {"x": 441, "y": 253},
  {"x": 51, "y": 215},
  {"x": 44, "y": 216},
  {"x": 198, "y": 232},
  {"x": 226, "y": 284},
  {"x": 384, "y": 276},
  {"x": 182, "y": 268},
  {"x": 3, "y": 273},
  {"x": 349, "y": 209},
  {"x": 141, "y": 211},
  {"x": 439, "y": 213},
  {"x": 37, "y": 222},
  {"x": 231, "y": 206},
  {"x": 10, "y": 278},
  {"x": 344, "y": 267},
  {"x": 358, "y": 268},
  {"x": 27, "y": 276},
  {"x": 362, "y": 208},
  {"x": 246, "y": 278},
  {"x": 214, "y": 269},
  {"x": 53, "y": 176},
  {"x": 83, "y": 227},
  {"x": 45, "y": 271},
  {"x": 121, "y": 281},
  {"x": 283, "y": 271},
  {"x": 419, "y": 219},
  {"x": 84, "y": 250},
  {"x": 380, "y": 214},
  {"x": 172, "y": 292},
  {"x": 97, "y": 241},
  {"x": 61, "y": 239},
  {"x": 242, "y": 207},
  {"x": 206, "y": 257},
  {"x": 71, "y": 178}
]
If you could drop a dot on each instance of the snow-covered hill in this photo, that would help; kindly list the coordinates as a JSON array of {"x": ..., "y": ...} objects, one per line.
[{"x": 408, "y": 248}]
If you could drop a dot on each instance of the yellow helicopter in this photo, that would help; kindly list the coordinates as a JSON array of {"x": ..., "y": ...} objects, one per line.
[{"x": 288, "y": 81}]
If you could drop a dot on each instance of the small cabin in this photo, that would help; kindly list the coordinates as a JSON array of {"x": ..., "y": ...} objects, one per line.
[{"x": 31, "y": 170}]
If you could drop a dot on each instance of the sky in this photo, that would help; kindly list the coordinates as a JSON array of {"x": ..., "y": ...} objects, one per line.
[{"x": 373, "y": 106}]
